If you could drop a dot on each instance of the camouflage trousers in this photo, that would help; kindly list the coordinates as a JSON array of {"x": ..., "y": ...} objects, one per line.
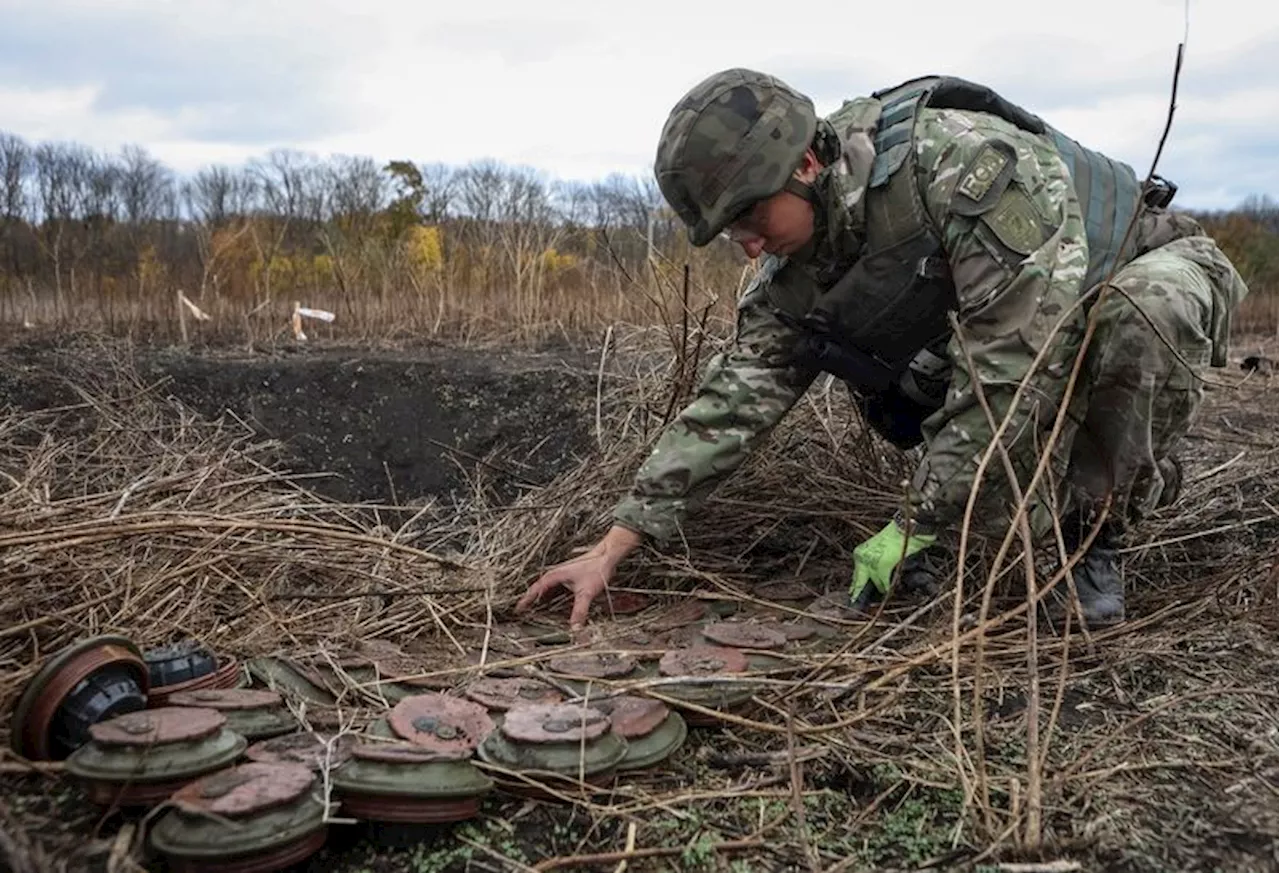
[{"x": 1160, "y": 325}]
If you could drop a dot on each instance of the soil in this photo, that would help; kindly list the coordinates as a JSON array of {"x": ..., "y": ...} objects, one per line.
[{"x": 387, "y": 426}]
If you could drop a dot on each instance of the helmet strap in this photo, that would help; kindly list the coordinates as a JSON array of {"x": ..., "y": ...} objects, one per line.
[{"x": 801, "y": 189}]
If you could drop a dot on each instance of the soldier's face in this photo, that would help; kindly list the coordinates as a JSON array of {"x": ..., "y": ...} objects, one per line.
[
  {"x": 778, "y": 225},
  {"x": 781, "y": 224}
]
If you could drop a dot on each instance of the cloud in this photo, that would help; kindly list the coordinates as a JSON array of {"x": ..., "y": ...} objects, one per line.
[
  {"x": 580, "y": 92},
  {"x": 210, "y": 73}
]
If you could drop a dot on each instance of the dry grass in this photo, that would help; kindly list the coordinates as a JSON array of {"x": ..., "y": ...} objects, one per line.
[
  {"x": 1259, "y": 313},
  {"x": 907, "y": 740},
  {"x": 467, "y": 299}
]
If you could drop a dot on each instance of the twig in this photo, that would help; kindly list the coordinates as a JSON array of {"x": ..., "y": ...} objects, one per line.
[
  {"x": 1208, "y": 474},
  {"x": 1034, "y": 796},
  {"x": 604, "y": 354},
  {"x": 797, "y": 798},
  {"x": 658, "y": 852},
  {"x": 628, "y": 847},
  {"x": 507, "y": 861},
  {"x": 85, "y": 533}
]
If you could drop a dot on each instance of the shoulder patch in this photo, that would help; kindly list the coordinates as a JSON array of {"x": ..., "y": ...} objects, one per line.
[
  {"x": 984, "y": 178},
  {"x": 1016, "y": 222},
  {"x": 983, "y": 173}
]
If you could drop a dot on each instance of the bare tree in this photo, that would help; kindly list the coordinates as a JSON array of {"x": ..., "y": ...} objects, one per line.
[
  {"x": 626, "y": 202},
  {"x": 15, "y": 166},
  {"x": 63, "y": 184},
  {"x": 62, "y": 171},
  {"x": 529, "y": 229},
  {"x": 631, "y": 213},
  {"x": 440, "y": 185},
  {"x": 359, "y": 189},
  {"x": 479, "y": 187},
  {"x": 218, "y": 201},
  {"x": 357, "y": 194},
  {"x": 101, "y": 201},
  {"x": 145, "y": 185},
  {"x": 1262, "y": 209},
  {"x": 293, "y": 185},
  {"x": 207, "y": 195},
  {"x": 216, "y": 194},
  {"x": 573, "y": 203},
  {"x": 283, "y": 179},
  {"x": 100, "y": 238}
]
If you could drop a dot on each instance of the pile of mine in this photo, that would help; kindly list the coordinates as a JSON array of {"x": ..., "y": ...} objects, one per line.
[{"x": 254, "y": 758}]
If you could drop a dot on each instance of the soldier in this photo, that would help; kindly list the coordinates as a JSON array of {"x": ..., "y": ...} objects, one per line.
[{"x": 926, "y": 245}]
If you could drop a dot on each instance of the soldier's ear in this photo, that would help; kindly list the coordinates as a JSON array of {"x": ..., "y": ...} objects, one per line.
[{"x": 809, "y": 167}]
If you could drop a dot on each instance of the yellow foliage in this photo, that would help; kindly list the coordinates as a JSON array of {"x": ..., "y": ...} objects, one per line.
[
  {"x": 295, "y": 272},
  {"x": 150, "y": 268},
  {"x": 321, "y": 269},
  {"x": 557, "y": 262},
  {"x": 277, "y": 268},
  {"x": 422, "y": 246}
]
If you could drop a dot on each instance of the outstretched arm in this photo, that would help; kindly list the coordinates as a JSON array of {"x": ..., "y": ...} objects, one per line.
[
  {"x": 743, "y": 395},
  {"x": 746, "y": 391}
]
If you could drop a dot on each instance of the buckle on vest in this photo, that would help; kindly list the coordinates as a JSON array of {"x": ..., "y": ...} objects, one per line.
[
  {"x": 1159, "y": 192},
  {"x": 933, "y": 268}
]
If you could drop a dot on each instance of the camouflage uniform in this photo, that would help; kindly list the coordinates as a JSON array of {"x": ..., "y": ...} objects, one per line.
[{"x": 1018, "y": 260}]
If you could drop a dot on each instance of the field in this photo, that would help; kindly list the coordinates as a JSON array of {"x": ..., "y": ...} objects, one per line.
[{"x": 165, "y": 492}]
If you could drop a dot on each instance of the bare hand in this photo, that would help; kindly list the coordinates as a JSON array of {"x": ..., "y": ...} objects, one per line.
[{"x": 586, "y": 576}]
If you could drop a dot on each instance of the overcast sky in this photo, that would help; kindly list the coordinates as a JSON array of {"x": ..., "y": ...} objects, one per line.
[{"x": 581, "y": 89}]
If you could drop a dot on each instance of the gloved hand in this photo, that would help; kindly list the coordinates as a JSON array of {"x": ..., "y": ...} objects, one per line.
[{"x": 875, "y": 560}]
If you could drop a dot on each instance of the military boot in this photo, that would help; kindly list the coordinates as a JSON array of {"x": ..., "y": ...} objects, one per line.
[
  {"x": 1098, "y": 580},
  {"x": 1100, "y": 587}
]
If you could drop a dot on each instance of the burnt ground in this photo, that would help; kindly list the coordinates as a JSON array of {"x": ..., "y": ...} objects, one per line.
[{"x": 382, "y": 426}]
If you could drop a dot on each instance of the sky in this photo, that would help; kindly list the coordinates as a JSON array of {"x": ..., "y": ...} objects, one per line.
[{"x": 580, "y": 89}]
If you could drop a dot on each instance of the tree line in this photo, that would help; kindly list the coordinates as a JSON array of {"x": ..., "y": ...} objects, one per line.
[
  {"x": 85, "y": 234},
  {"x": 98, "y": 239}
]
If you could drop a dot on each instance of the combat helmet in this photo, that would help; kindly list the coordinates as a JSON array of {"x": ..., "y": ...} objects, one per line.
[{"x": 733, "y": 140}]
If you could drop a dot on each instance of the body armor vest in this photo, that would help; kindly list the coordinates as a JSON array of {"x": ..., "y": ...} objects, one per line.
[{"x": 890, "y": 308}]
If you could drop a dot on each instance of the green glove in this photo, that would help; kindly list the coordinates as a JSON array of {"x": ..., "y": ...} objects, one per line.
[{"x": 875, "y": 560}]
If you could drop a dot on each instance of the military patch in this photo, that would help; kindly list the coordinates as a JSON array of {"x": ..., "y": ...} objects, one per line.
[
  {"x": 1016, "y": 222},
  {"x": 984, "y": 178},
  {"x": 983, "y": 172}
]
